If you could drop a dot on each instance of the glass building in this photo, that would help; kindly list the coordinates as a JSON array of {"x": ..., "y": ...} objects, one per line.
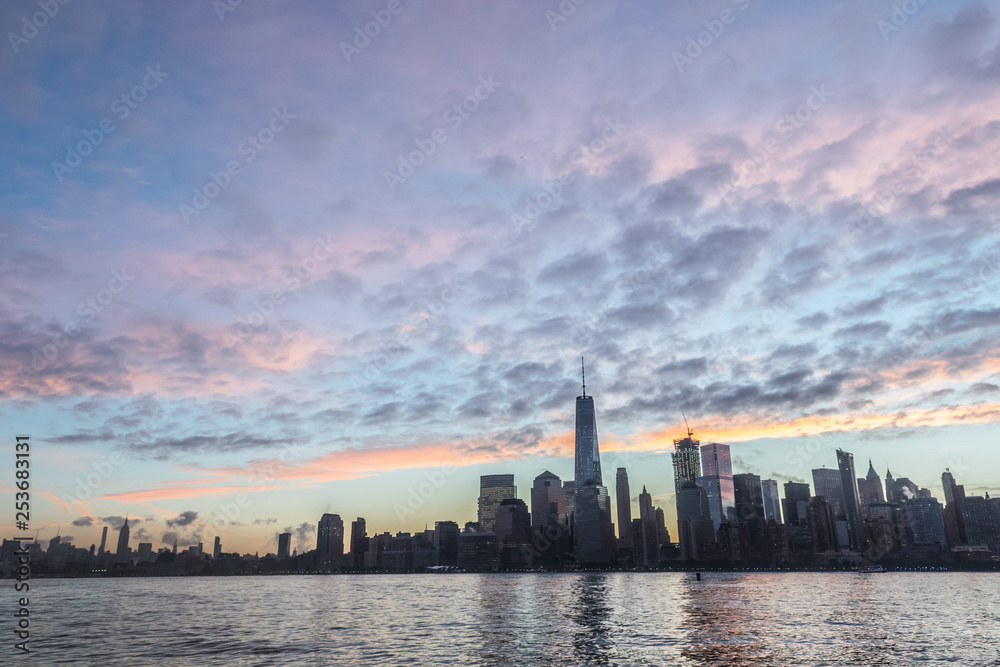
[{"x": 588, "y": 455}]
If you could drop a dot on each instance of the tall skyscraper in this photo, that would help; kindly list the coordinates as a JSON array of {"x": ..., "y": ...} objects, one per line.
[
  {"x": 852, "y": 503},
  {"x": 284, "y": 544},
  {"x": 795, "y": 493},
  {"x": 749, "y": 496},
  {"x": 493, "y": 489},
  {"x": 694, "y": 520},
  {"x": 359, "y": 543},
  {"x": 593, "y": 531},
  {"x": 104, "y": 541},
  {"x": 650, "y": 539},
  {"x": 330, "y": 542},
  {"x": 123, "y": 534},
  {"x": 217, "y": 549},
  {"x": 772, "y": 503},
  {"x": 686, "y": 461},
  {"x": 717, "y": 480},
  {"x": 874, "y": 492},
  {"x": 588, "y": 455},
  {"x": 548, "y": 500},
  {"x": 826, "y": 483},
  {"x": 624, "y": 502}
]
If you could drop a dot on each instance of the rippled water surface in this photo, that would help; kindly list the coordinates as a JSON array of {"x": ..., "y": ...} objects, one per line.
[{"x": 557, "y": 619}]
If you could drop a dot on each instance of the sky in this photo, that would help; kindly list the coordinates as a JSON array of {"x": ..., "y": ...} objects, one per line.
[{"x": 262, "y": 261}]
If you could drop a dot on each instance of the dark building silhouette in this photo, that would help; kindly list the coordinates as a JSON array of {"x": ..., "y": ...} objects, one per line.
[
  {"x": 330, "y": 542},
  {"x": 217, "y": 549},
  {"x": 795, "y": 504},
  {"x": 749, "y": 497},
  {"x": 359, "y": 543},
  {"x": 104, "y": 541},
  {"x": 122, "y": 551},
  {"x": 624, "y": 502},
  {"x": 513, "y": 530},
  {"x": 588, "y": 456},
  {"x": 548, "y": 500},
  {"x": 284, "y": 545},
  {"x": 478, "y": 551},
  {"x": 821, "y": 522},
  {"x": 446, "y": 542},
  {"x": 649, "y": 538},
  {"x": 686, "y": 461},
  {"x": 852, "y": 503}
]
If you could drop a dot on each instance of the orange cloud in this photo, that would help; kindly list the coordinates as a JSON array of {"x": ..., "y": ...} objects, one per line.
[{"x": 174, "y": 492}]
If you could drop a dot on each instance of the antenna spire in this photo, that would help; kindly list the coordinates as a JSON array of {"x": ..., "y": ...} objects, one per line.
[{"x": 583, "y": 373}]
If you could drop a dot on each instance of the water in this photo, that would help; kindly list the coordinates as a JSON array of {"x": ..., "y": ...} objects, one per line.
[{"x": 556, "y": 619}]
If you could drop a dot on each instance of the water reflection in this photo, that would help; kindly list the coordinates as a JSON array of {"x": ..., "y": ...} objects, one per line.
[
  {"x": 591, "y": 612},
  {"x": 722, "y": 622}
]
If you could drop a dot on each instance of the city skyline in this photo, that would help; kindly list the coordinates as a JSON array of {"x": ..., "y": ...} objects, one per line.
[{"x": 289, "y": 256}]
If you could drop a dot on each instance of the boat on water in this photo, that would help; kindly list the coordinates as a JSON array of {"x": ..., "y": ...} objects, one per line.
[{"x": 870, "y": 569}]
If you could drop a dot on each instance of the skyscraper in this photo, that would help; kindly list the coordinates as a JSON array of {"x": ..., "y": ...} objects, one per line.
[
  {"x": 826, "y": 483},
  {"x": 284, "y": 544},
  {"x": 217, "y": 549},
  {"x": 330, "y": 542},
  {"x": 873, "y": 490},
  {"x": 624, "y": 502},
  {"x": 588, "y": 455},
  {"x": 852, "y": 503},
  {"x": 359, "y": 543},
  {"x": 123, "y": 534},
  {"x": 772, "y": 503},
  {"x": 650, "y": 539},
  {"x": 593, "y": 532},
  {"x": 686, "y": 461},
  {"x": 925, "y": 517},
  {"x": 446, "y": 542},
  {"x": 493, "y": 489},
  {"x": 694, "y": 520},
  {"x": 749, "y": 496},
  {"x": 548, "y": 500},
  {"x": 717, "y": 480},
  {"x": 104, "y": 541},
  {"x": 796, "y": 503}
]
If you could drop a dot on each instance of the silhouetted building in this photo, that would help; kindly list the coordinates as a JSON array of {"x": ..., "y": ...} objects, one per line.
[
  {"x": 826, "y": 483},
  {"x": 548, "y": 500},
  {"x": 513, "y": 530},
  {"x": 796, "y": 503},
  {"x": 479, "y": 552},
  {"x": 694, "y": 521},
  {"x": 649, "y": 555},
  {"x": 624, "y": 502},
  {"x": 284, "y": 545},
  {"x": 982, "y": 522},
  {"x": 593, "y": 530},
  {"x": 123, "y": 551},
  {"x": 772, "y": 502},
  {"x": 852, "y": 503},
  {"x": 821, "y": 523},
  {"x": 749, "y": 496},
  {"x": 330, "y": 542},
  {"x": 359, "y": 543},
  {"x": 104, "y": 541},
  {"x": 217, "y": 549},
  {"x": 587, "y": 456},
  {"x": 446, "y": 542},
  {"x": 493, "y": 489},
  {"x": 925, "y": 518},
  {"x": 870, "y": 489},
  {"x": 144, "y": 553}
]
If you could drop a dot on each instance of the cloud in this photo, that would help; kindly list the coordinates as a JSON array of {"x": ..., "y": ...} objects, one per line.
[
  {"x": 83, "y": 521},
  {"x": 183, "y": 519}
]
